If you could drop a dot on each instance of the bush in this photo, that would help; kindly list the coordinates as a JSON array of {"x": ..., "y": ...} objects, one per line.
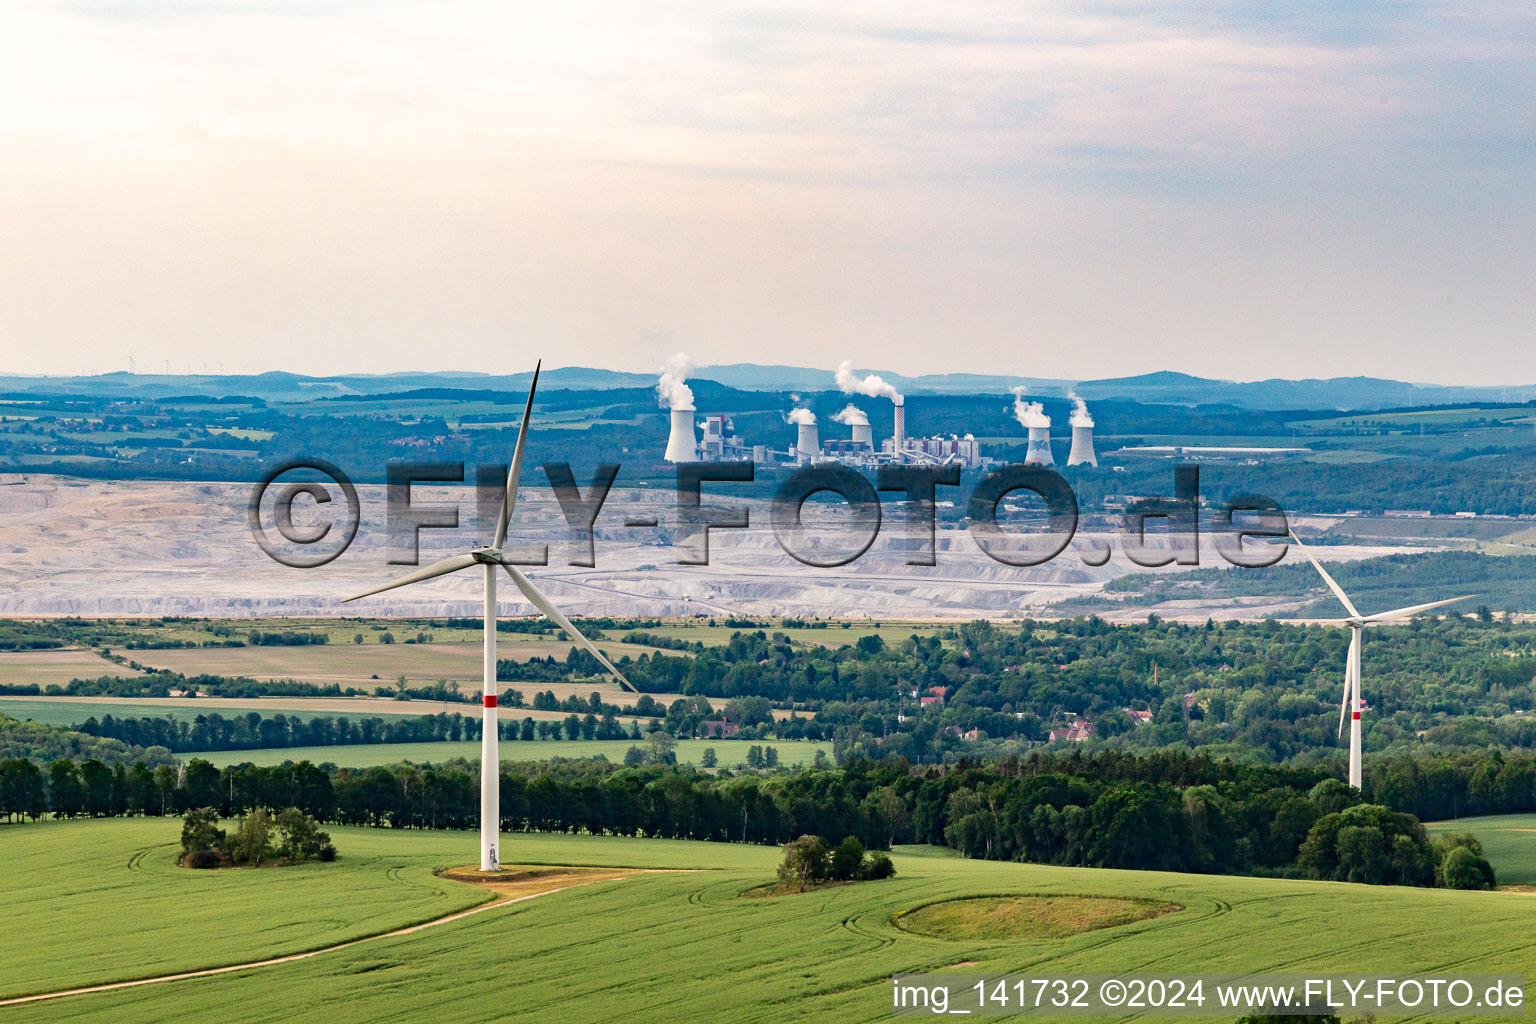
[
  {"x": 805, "y": 862},
  {"x": 251, "y": 843},
  {"x": 1460, "y": 864},
  {"x": 847, "y": 858},
  {"x": 877, "y": 866},
  {"x": 300, "y": 839},
  {"x": 1464, "y": 869},
  {"x": 328, "y": 853},
  {"x": 200, "y": 833},
  {"x": 205, "y": 859}
]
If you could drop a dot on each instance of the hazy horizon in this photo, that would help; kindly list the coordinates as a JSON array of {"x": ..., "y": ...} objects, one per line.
[{"x": 702, "y": 372}]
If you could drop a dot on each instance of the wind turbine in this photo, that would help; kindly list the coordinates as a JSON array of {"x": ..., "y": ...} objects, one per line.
[
  {"x": 490, "y": 559},
  {"x": 1357, "y": 623}
]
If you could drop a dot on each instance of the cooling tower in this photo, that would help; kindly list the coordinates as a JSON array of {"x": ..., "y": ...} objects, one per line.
[
  {"x": 808, "y": 445},
  {"x": 1039, "y": 452},
  {"x": 901, "y": 432},
  {"x": 1082, "y": 447},
  {"x": 681, "y": 444},
  {"x": 863, "y": 435}
]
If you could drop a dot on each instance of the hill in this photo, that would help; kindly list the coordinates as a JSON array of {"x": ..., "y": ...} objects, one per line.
[
  {"x": 1167, "y": 387},
  {"x": 663, "y": 947}
]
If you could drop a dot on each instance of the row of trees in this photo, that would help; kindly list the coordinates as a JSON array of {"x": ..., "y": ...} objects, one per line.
[{"x": 1167, "y": 811}]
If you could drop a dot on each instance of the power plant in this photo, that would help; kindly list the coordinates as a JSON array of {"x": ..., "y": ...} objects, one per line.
[{"x": 720, "y": 442}]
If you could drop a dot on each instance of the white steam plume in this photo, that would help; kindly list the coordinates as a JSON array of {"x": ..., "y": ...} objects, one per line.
[
  {"x": 671, "y": 391},
  {"x": 1029, "y": 414},
  {"x": 874, "y": 385},
  {"x": 802, "y": 416},
  {"x": 852, "y": 416},
  {"x": 1080, "y": 417}
]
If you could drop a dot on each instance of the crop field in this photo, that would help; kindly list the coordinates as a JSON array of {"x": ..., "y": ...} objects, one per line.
[
  {"x": 732, "y": 753},
  {"x": 56, "y": 667},
  {"x": 74, "y": 710},
  {"x": 1508, "y": 840},
  {"x": 658, "y": 947}
]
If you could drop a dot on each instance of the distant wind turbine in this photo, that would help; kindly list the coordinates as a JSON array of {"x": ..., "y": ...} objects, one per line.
[
  {"x": 1357, "y": 623},
  {"x": 491, "y": 558}
]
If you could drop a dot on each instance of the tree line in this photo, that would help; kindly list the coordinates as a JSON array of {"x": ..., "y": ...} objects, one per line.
[{"x": 1166, "y": 811}]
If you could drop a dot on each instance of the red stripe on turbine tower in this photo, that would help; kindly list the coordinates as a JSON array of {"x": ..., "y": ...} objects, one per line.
[
  {"x": 1356, "y": 715},
  {"x": 490, "y": 701}
]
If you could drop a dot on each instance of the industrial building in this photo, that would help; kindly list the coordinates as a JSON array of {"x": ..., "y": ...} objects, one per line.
[{"x": 804, "y": 443}]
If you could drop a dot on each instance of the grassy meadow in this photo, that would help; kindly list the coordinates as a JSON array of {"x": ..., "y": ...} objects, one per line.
[
  {"x": 659, "y": 947},
  {"x": 731, "y": 753}
]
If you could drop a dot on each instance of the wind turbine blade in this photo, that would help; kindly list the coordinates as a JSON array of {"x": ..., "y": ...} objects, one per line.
[
  {"x": 428, "y": 572},
  {"x": 1333, "y": 585},
  {"x": 516, "y": 470},
  {"x": 1404, "y": 613},
  {"x": 542, "y": 604},
  {"x": 1344, "y": 702}
]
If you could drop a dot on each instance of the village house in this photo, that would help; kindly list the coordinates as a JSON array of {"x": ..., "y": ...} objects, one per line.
[{"x": 1077, "y": 732}]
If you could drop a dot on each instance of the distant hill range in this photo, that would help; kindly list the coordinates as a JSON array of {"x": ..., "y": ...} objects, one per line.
[{"x": 1165, "y": 387}]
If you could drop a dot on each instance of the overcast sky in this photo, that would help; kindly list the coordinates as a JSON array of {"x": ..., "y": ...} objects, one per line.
[{"x": 1057, "y": 189}]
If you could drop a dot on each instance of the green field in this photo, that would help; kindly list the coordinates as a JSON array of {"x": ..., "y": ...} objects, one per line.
[
  {"x": 74, "y": 712},
  {"x": 1508, "y": 840},
  {"x": 731, "y": 753},
  {"x": 100, "y": 900}
]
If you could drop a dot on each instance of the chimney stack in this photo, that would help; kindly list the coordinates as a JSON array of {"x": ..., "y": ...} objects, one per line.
[{"x": 899, "y": 437}]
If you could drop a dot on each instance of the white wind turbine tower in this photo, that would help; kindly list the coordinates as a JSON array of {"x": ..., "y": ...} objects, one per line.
[
  {"x": 490, "y": 558},
  {"x": 1357, "y": 623}
]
